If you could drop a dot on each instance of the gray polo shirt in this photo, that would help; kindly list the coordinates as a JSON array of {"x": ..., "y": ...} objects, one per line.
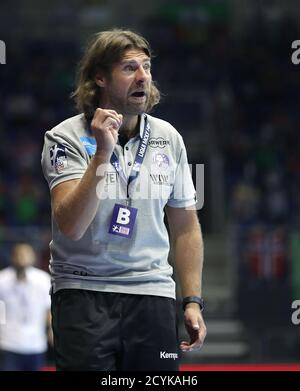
[{"x": 100, "y": 260}]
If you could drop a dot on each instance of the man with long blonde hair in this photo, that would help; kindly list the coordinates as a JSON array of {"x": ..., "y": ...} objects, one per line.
[{"x": 113, "y": 170}]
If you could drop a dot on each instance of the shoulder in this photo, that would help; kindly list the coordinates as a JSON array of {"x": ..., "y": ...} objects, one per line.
[
  {"x": 6, "y": 273},
  {"x": 68, "y": 134},
  {"x": 69, "y": 128},
  {"x": 162, "y": 125},
  {"x": 7, "y": 277},
  {"x": 163, "y": 131}
]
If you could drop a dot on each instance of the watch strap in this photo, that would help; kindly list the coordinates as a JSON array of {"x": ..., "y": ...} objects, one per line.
[{"x": 193, "y": 299}]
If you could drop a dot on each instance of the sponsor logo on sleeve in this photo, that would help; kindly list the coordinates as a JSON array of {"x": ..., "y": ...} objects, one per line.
[
  {"x": 58, "y": 158},
  {"x": 89, "y": 144}
]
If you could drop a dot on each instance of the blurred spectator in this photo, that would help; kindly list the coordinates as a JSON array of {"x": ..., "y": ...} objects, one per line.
[
  {"x": 26, "y": 201},
  {"x": 24, "y": 292}
]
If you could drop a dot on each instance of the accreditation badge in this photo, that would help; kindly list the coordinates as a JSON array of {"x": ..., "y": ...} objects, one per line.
[{"x": 123, "y": 220}]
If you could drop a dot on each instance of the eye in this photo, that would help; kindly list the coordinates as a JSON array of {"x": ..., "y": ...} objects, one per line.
[
  {"x": 147, "y": 66},
  {"x": 128, "y": 68}
]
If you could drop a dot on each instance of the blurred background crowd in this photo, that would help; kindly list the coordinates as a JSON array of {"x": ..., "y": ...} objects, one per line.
[{"x": 232, "y": 91}]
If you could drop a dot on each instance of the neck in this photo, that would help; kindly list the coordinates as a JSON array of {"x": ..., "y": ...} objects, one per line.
[{"x": 130, "y": 126}]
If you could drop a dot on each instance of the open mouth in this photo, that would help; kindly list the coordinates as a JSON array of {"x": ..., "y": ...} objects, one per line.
[{"x": 138, "y": 94}]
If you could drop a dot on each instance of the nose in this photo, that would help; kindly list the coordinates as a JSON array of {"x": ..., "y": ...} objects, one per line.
[{"x": 141, "y": 74}]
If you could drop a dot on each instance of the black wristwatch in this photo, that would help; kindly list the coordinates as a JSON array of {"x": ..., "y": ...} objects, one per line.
[{"x": 193, "y": 299}]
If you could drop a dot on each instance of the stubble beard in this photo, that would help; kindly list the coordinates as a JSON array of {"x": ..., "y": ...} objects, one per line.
[{"x": 128, "y": 108}]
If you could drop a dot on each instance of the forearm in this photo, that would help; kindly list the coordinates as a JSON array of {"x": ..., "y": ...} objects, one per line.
[
  {"x": 189, "y": 262},
  {"x": 49, "y": 328},
  {"x": 78, "y": 207},
  {"x": 188, "y": 253}
]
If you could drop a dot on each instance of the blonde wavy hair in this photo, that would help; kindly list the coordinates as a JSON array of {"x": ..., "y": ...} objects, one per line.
[{"x": 104, "y": 50}]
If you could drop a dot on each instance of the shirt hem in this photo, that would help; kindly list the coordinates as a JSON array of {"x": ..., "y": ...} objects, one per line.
[{"x": 135, "y": 290}]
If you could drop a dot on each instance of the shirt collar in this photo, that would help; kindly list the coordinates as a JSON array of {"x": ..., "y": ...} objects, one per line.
[{"x": 142, "y": 124}]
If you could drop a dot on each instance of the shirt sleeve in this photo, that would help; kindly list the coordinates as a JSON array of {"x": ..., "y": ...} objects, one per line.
[
  {"x": 183, "y": 194},
  {"x": 61, "y": 159}
]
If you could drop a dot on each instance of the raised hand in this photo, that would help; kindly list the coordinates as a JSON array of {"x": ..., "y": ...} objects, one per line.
[{"x": 105, "y": 125}]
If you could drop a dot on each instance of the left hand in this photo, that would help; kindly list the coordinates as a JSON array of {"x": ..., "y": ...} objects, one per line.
[{"x": 195, "y": 327}]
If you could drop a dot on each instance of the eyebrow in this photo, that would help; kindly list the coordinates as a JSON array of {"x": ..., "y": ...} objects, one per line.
[{"x": 134, "y": 61}]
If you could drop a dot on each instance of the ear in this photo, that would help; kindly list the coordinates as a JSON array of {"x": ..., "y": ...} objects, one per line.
[{"x": 100, "y": 80}]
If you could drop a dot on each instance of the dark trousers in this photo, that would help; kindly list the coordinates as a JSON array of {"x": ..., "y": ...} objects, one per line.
[
  {"x": 114, "y": 331},
  {"x": 10, "y": 361}
]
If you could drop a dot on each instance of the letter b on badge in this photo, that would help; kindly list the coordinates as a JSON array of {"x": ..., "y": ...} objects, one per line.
[
  {"x": 122, "y": 221},
  {"x": 123, "y": 216}
]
